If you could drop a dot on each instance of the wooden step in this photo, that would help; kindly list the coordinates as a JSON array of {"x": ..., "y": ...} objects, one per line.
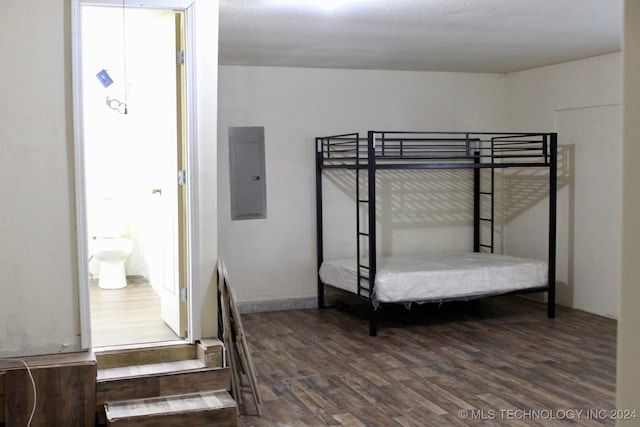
[
  {"x": 143, "y": 354},
  {"x": 208, "y": 408},
  {"x": 156, "y": 380},
  {"x": 209, "y": 350},
  {"x": 149, "y": 369},
  {"x": 155, "y": 372}
]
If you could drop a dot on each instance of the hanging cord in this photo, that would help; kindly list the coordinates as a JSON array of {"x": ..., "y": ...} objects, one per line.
[
  {"x": 33, "y": 384},
  {"x": 124, "y": 53}
]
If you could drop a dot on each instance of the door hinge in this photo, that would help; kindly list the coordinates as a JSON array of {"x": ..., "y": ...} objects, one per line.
[
  {"x": 183, "y": 294},
  {"x": 180, "y": 57},
  {"x": 182, "y": 177}
]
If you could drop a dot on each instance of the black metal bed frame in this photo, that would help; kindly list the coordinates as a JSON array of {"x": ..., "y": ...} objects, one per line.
[{"x": 385, "y": 150}]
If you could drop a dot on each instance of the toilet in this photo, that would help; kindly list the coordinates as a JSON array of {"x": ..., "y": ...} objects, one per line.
[{"x": 109, "y": 246}]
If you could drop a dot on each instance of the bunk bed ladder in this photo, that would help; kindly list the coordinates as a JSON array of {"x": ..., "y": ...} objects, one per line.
[
  {"x": 363, "y": 266},
  {"x": 490, "y": 219},
  {"x": 480, "y": 216}
]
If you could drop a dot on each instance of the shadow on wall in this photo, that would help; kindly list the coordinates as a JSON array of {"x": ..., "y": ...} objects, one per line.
[
  {"x": 423, "y": 202},
  {"x": 415, "y": 198},
  {"x": 524, "y": 188}
]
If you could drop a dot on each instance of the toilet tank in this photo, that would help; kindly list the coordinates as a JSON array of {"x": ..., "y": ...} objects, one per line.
[{"x": 111, "y": 219}]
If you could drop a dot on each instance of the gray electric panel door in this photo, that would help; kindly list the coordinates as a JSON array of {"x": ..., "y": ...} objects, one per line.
[{"x": 247, "y": 173}]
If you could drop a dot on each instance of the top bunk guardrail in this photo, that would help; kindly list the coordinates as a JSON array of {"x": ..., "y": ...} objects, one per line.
[{"x": 434, "y": 149}]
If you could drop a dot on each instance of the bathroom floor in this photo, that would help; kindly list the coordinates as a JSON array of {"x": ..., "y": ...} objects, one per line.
[{"x": 127, "y": 316}]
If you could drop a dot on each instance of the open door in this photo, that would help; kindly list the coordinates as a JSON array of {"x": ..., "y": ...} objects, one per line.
[
  {"x": 174, "y": 292},
  {"x": 138, "y": 63}
]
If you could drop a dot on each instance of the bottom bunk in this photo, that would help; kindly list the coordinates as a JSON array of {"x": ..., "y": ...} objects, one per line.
[{"x": 439, "y": 277}]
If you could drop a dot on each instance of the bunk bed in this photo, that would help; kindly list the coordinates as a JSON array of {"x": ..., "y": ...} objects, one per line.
[{"x": 444, "y": 276}]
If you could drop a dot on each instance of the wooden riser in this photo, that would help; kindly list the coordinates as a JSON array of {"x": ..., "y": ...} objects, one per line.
[
  {"x": 161, "y": 384},
  {"x": 212, "y": 408},
  {"x": 141, "y": 355}
]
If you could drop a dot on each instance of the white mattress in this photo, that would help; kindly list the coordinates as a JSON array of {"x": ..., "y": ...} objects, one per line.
[{"x": 437, "y": 277}]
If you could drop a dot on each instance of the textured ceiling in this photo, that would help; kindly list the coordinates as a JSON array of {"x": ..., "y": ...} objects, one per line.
[{"x": 434, "y": 35}]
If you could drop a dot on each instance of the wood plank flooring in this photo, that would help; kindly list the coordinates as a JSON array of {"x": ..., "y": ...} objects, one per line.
[
  {"x": 499, "y": 359},
  {"x": 127, "y": 316}
]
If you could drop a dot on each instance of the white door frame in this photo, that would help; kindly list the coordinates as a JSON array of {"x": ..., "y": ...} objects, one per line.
[{"x": 193, "y": 292}]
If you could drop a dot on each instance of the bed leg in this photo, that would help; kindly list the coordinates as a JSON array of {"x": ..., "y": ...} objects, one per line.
[
  {"x": 373, "y": 321},
  {"x": 320, "y": 294},
  {"x": 553, "y": 192}
]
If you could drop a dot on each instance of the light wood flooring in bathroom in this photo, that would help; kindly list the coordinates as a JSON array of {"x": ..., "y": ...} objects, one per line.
[{"x": 127, "y": 316}]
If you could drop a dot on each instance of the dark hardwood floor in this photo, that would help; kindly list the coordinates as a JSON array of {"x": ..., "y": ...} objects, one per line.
[{"x": 492, "y": 362}]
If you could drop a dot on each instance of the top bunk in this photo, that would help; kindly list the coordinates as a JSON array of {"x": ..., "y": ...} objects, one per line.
[{"x": 434, "y": 150}]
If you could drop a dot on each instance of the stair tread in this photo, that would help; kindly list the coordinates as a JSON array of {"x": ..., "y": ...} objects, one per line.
[
  {"x": 149, "y": 369},
  {"x": 207, "y": 400},
  {"x": 129, "y": 348}
]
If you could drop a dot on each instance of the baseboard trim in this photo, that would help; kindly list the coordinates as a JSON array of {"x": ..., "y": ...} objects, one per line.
[{"x": 278, "y": 305}]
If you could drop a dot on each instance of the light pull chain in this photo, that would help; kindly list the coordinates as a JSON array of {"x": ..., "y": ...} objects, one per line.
[{"x": 124, "y": 53}]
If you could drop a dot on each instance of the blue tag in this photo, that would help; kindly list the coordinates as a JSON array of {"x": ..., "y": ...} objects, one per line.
[{"x": 104, "y": 78}]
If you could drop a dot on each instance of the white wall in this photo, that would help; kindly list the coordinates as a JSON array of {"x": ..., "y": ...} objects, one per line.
[
  {"x": 628, "y": 371},
  {"x": 38, "y": 260},
  {"x": 39, "y": 308},
  {"x": 275, "y": 258},
  {"x": 581, "y": 101},
  {"x": 205, "y": 226}
]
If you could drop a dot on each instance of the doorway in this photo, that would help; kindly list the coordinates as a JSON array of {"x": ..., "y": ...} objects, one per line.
[{"x": 135, "y": 144}]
